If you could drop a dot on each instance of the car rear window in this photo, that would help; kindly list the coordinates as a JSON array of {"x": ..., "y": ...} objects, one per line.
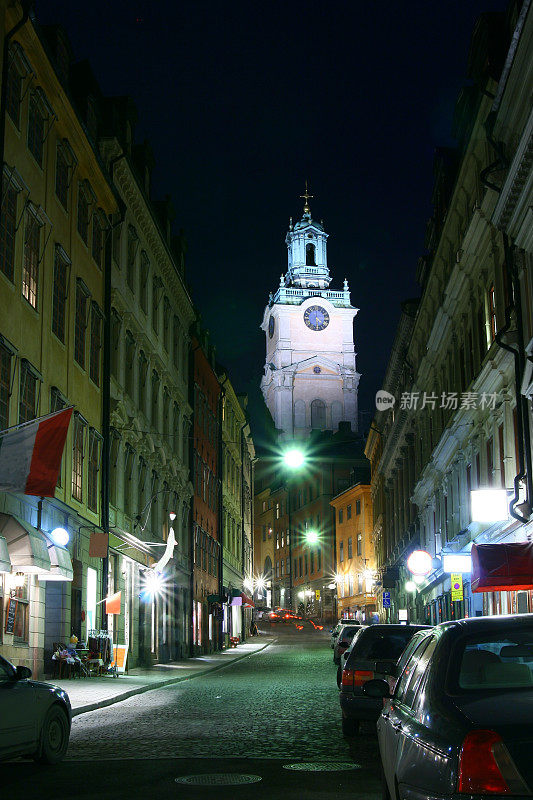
[
  {"x": 350, "y": 630},
  {"x": 377, "y": 643},
  {"x": 501, "y": 660}
]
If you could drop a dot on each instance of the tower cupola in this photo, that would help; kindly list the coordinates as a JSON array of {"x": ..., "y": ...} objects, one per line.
[{"x": 307, "y": 251}]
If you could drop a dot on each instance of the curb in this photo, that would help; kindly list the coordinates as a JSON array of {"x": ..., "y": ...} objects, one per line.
[{"x": 110, "y": 701}]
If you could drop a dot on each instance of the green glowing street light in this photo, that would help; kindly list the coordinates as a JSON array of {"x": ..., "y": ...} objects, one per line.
[
  {"x": 311, "y": 537},
  {"x": 294, "y": 458}
]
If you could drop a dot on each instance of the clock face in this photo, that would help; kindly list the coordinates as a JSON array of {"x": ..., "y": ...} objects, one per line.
[
  {"x": 316, "y": 318},
  {"x": 271, "y": 324}
]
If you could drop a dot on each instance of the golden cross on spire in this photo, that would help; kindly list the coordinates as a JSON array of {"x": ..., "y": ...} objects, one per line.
[{"x": 306, "y": 196}]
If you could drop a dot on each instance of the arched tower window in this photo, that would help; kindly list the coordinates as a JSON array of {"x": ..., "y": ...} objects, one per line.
[
  {"x": 299, "y": 414},
  {"x": 318, "y": 415},
  {"x": 310, "y": 255},
  {"x": 267, "y": 571}
]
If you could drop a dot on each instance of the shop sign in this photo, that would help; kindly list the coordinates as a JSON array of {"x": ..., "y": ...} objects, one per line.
[
  {"x": 457, "y": 586},
  {"x": 11, "y": 613},
  {"x": 317, "y": 594}
]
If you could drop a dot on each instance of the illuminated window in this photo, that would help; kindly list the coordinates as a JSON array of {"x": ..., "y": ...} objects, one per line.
[
  {"x": 30, "y": 266},
  {"x": 8, "y": 228}
]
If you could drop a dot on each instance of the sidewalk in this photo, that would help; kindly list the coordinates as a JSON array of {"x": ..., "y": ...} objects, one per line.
[{"x": 88, "y": 694}]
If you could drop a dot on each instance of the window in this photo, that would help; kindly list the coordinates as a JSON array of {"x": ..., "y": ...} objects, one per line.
[
  {"x": 5, "y": 385},
  {"x": 264, "y": 533},
  {"x": 417, "y": 665},
  {"x": 277, "y": 569},
  {"x": 359, "y": 544},
  {"x": 93, "y": 468},
  {"x": 341, "y": 551},
  {"x": 167, "y": 319},
  {"x": 116, "y": 327},
  {"x": 177, "y": 341},
  {"x": 312, "y": 561},
  {"x": 155, "y": 399},
  {"x": 36, "y": 122},
  {"x": 357, "y": 506},
  {"x": 300, "y": 573},
  {"x": 62, "y": 175},
  {"x": 306, "y": 561},
  {"x": 156, "y": 285},
  {"x": 287, "y": 566},
  {"x": 130, "y": 358},
  {"x": 350, "y": 585},
  {"x": 143, "y": 372},
  {"x": 129, "y": 460},
  {"x": 8, "y": 228},
  {"x": 348, "y": 512},
  {"x": 80, "y": 323},
  {"x": 145, "y": 272},
  {"x": 96, "y": 344},
  {"x": 28, "y": 392},
  {"x": 295, "y": 568},
  {"x": 492, "y": 313},
  {"x": 281, "y": 566},
  {"x": 78, "y": 443},
  {"x": 91, "y": 598},
  {"x": 490, "y": 462},
  {"x": 340, "y": 514},
  {"x": 318, "y": 414},
  {"x": 131, "y": 256},
  {"x": 350, "y": 549},
  {"x": 310, "y": 255},
  {"x": 30, "y": 266},
  {"x": 98, "y": 240},
  {"x": 83, "y": 212},
  {"x": 59, "y": 293},
  {"x": 13, "y": 88},
  {"x": 318, "y": 560}
]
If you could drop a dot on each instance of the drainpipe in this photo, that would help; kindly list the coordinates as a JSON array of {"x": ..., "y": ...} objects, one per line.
[
  {"x": 106, "y": 390},
  {"x": 26, "y": 8}
]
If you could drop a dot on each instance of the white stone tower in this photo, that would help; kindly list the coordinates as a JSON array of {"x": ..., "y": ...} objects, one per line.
[{"x": 310, "y": 379}]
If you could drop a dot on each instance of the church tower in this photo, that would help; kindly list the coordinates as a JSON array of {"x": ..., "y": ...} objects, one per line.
[{"x": 310, "y": 379}]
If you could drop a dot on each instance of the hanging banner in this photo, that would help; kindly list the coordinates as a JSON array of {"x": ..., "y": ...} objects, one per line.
[
  {"x": 98, "y": 544},
  {"x": 112, "y": 603},
  {"x": 457, "y": 586}
]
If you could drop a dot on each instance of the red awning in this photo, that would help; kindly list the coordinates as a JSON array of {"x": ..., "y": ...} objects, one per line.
[
  {"x": 502, "y": 567},
  {"x": 247, "y": 601}
]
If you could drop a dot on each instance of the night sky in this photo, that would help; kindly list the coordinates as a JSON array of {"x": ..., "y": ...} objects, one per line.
[{"x": 244, "y": 101}]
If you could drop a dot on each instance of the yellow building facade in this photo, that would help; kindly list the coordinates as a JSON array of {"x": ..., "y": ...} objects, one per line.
[
  {"x": 355, "y": 560},
  {"x": 55, "y": 218}
]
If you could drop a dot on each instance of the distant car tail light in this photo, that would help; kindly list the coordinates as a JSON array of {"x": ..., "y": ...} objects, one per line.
[
  {"x": 361, "y": 676},
  {"x": 479, "y": 772}
]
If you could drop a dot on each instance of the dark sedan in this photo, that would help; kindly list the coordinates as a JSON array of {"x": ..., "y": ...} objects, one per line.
[
  {"x": 460, "y": 719},
  {"x": 35, "y": 717},
  {"x": 374, "y": 653}
]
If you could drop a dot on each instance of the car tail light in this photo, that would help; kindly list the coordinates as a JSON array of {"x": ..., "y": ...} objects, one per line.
[
  {"x": 347, "y": 678},
  {"x": 479, "y": 772},
  {"x": 361, "y": 676}
]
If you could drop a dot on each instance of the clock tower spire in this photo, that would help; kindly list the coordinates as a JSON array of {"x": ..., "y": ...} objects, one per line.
[{"x": 310, "y": 379}]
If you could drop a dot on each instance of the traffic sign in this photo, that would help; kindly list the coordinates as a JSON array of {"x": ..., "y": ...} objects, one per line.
[{"x": 386, "y": 599}]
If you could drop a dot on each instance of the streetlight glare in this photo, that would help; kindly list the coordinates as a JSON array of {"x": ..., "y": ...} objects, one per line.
[
  {"x": 312, "y": 537},
  {"x": 294, "y": 458}
]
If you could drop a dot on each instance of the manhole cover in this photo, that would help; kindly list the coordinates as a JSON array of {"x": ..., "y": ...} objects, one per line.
[
  {"x": 218, "y": 779},
  {"x": 323, "y": 766}
]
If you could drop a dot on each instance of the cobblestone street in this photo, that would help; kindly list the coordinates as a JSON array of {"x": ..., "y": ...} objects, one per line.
[{"x": 279, "y": 706}]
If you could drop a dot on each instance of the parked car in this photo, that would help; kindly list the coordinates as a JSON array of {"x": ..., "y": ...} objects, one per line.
[
  {"x": 335, "y": 632},
  {"x": 344, "y": 640},
  {"x": 459, "y": 720},
  {"x": 35, "y": 717},
  {"x": 374, "y": 654}
]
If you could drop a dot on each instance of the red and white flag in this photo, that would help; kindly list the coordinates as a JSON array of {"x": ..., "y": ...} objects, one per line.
[{"x": 30, "y": 454}]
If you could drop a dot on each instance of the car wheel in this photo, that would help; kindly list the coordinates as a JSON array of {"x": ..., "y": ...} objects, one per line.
[
  {"x": 350, "y": 727},
  {"x": 54, "y": 736}
]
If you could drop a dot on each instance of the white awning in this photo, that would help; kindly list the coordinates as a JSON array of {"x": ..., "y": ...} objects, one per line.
[
  {"x": 27, "y": 547},
  {"x": 5, "y": 561},
  {"x": 60, "y": 564}
]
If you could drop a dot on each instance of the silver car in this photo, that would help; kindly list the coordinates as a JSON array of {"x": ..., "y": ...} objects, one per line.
[{"x": 35, "y": 717}]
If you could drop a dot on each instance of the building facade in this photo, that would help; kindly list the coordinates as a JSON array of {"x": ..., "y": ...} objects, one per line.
[
  {"x": 310, "y": 379},
  {"x": 206, "y": 469},
  {"x": 57, "y": 207},
  {"x": 356, "y": 565},
  {"x": 237, "y": 464},
  {"x": 458, "y": 366}
]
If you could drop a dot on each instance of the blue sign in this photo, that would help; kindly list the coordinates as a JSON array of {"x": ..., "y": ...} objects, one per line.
[{"x": 386, "y": 599}]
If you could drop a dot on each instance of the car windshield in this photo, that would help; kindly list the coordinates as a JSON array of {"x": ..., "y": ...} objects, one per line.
[
  {"x": 379, "y": 643},
  {"x": 502, "y": 660}
]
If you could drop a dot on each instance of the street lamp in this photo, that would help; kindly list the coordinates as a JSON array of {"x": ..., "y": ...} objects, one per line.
[
  {"x": 311, "y": 537},
  {"x": 294, "y": 458}
]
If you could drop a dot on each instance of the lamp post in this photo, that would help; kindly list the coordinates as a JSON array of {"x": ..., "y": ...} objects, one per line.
[{"x": 293, "y": 459}]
